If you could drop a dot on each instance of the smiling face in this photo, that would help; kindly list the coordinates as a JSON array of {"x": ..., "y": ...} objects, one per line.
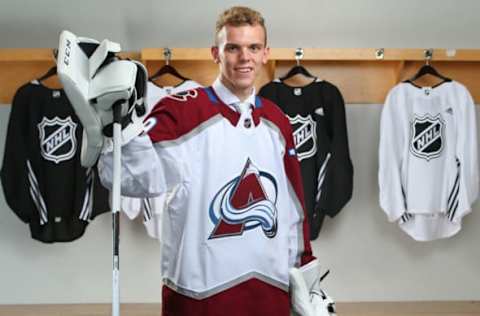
[{"x": 240, "y": 52}]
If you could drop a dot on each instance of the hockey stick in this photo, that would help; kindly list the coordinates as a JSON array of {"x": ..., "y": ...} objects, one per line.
[
  {"x": 91, "y": 78},
  {"x": 117, "y": 176}
]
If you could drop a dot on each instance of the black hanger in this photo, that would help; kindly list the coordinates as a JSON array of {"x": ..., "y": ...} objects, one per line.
[
  {"x": 297, "y": 69},
  {"x": 428, "y": 69},
  {"x": 51, "y": 72},
  {"x": 167, "y": 69}
]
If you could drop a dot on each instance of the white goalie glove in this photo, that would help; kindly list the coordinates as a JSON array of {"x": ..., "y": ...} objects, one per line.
[
  {"x": 307, "y": 298},
  {"x": 95, "y": 80}
]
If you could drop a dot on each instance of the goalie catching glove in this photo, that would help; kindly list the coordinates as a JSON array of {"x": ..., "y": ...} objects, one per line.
[
  {"x": 307, "y": 298},
  {"x": 95, "y": 80}
]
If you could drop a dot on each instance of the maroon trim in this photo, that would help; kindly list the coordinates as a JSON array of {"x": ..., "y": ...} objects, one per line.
[
  {"x": 292, "y": 167},
  {"x": 250, "y": 298},
  {"x": 175, "y": 118}
]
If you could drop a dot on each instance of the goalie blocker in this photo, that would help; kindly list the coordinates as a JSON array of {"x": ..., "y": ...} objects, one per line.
[
  {"x": 307, "y": 298},
  {"x": 95, "y": 79}
]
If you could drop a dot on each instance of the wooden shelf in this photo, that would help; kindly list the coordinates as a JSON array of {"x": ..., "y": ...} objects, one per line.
[
  {"x": 182, "y": 54},
  {"x": 358, "y": 72},
  {"x": 323, "y": 54},
  {"x": 25, "y": 54},
  {"x": 41, "y": 55},
  {"x": 21, "y": 65}
]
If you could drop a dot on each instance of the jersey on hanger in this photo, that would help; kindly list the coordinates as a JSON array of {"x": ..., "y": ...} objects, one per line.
[
  {"x": 234, "y": 225},
  {"x": 428, "y": 173},
  {"x": 317, "y": 115},
  {"x": 43, "y": 181},
  {"x": 152, "y": 208}
]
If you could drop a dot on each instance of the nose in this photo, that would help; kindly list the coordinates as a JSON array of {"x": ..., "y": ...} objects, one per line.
[{"x": 245, "y": 54}]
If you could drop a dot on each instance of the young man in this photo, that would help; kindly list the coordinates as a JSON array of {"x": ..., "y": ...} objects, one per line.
[{"x": 235, "y": 223}]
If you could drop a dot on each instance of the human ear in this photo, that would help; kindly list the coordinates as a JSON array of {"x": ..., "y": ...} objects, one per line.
[{"x": 215, "y": 54}]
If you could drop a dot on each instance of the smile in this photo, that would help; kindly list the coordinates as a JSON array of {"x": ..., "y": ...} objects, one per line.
[{"x": 244, "y": 69}]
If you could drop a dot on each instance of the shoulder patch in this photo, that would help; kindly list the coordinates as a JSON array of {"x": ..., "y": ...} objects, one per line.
[{"x": 184, "y": 95}]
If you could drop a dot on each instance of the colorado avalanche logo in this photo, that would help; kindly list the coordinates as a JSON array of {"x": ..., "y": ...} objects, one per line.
[
  {"x": 245, "y": 203},
  {"x": 426, "y": 140},
  {"x": 57, "y": 139},
  {"x": 304, "y": 136},
  {"x": 184, "y": 95}
]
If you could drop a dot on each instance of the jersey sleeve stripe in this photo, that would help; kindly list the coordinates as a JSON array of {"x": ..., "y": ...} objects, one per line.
[
  {"x": 321, "y": 177},
  {"x": 87, "y": 200},
  {"x": 36, "y": 195}
]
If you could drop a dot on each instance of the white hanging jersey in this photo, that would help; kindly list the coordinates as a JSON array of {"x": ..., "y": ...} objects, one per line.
[
  {"x": 152, "y": 208},
  {"x": 235, "y": 222},
  {"x": 428, "y": 173}
]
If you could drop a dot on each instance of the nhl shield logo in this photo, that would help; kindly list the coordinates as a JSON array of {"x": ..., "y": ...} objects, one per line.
[
  {"x": 304, "y": 136},
  {"x": 427, "y": 138},
  {"x": 57, "y": 138}
]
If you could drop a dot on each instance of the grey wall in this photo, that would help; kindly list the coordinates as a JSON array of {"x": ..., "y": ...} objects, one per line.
[
  {"x": 183, "y": 23},
  {"x": 370, "y": 259}
]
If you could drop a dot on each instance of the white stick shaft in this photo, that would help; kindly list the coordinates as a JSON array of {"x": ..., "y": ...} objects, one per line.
[
  {"x": 116, "y": 293},
  {"x": 117, "y": 167},
  {"x": 116, "y": 192}
]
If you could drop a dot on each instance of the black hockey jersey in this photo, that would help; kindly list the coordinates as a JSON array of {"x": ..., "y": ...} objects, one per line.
[
  {"x": 317, "y": 115},
  {"x": 42, "y": 179}
]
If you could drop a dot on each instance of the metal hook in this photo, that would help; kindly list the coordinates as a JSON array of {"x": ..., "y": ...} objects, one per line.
[
  {"x": 298, "y": 55},
  {"x": 55, "y": 53},
  {"x": 167, "y": 53},
  {"x": 380, "y": 53},
  {"x": 428, "y": 53}
]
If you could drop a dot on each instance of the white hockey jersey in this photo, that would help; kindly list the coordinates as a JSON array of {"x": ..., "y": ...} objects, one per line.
[
  {"x": 428, "y": 158},
  {"x": 152, "y": 208},
  {"x": 235, "y": 223}
]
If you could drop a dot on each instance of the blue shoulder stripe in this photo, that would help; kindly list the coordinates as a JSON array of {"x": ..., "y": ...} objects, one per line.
[
  {"x": 258, "y": 102},
  {"x": 213, "y": 98}
]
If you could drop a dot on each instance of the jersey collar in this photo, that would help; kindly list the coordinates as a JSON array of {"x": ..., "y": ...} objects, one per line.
[
  {"x": 229, "y": 111},
  {"x": 227, "y": 97}
]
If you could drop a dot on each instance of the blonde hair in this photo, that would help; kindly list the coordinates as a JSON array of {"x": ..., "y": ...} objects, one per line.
[{"x": 239, "y": 16}]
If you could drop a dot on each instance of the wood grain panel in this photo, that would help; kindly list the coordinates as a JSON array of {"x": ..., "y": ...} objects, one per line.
[
  {"x": 457, "y": 308},
  {"x": 359, "y": 81},
  {"x": 358, "y": 74},
  {"x": 15, "y": 74},
  {"x": 204, "y": 72}
]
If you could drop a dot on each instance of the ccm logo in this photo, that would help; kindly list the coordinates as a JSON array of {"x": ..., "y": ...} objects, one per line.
[{"x": 68, "y": 48}]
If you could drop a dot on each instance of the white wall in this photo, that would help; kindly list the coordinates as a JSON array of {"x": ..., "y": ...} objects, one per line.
[
  {"x": 184, "y": 23},
  {"x": 370, "y": 259}
]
